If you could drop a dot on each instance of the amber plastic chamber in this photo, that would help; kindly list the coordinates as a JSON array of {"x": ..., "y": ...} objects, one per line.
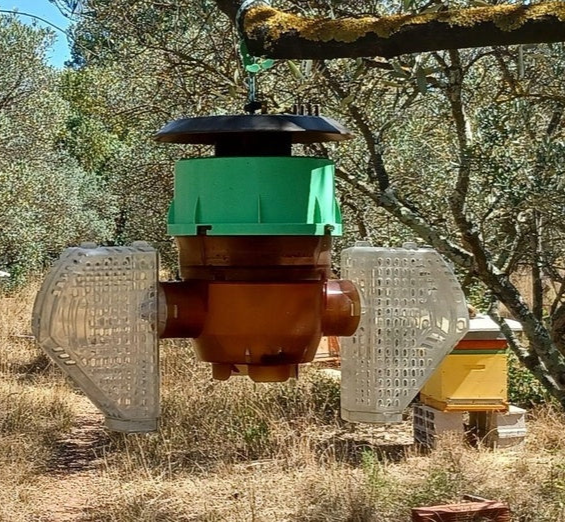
[{"x": 257, "y": 306}]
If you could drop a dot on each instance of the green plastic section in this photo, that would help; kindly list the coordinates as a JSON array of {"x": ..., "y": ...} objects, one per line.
[{"x": 254, "y": 196}]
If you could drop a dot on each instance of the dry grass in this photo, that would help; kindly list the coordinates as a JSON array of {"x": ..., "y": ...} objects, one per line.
[
  {"x": 208, "y": 423},
  {"x": 36, "y": 408},
  {"x": 238, "y": 451}
]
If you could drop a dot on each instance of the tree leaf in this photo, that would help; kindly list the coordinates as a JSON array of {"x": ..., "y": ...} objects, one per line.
[
  {"x": 399, "y": 69},
  {"x": 253, "y": 68},
  {"x": 267, "y": 64},
  {"x": 295, "y": 70},
  {"x": 421, "y": 80},
  {"x": 407, "y": 4}
]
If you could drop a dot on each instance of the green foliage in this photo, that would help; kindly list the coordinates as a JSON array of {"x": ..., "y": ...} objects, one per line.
[
  {"x": 375, "y": 472},
  {"x": 48, "y": 209},
  {"x": 553, "y": 487},
  {"x": 523, "y": 388},
  {"x": 439, "y": 486},
  {"x": 48, "y": 201}
]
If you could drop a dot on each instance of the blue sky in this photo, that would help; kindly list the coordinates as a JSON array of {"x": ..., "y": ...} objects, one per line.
[{"x": 48, "y": 11}]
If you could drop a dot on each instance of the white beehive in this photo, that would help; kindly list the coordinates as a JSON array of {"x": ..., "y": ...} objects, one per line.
[
  {"x": 96, "y": 315},
  {"x": 506, "y": 429},
  {"x": 414, "y": 314}
]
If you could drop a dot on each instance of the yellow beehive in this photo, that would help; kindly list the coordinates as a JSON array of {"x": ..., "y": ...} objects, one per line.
[
  {"x": 474, "y": 376},
  {"x": 468, "y": 381}
]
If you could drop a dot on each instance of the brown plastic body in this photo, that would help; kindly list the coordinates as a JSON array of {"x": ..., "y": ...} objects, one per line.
[
  {"x": 269, "y": 327},
  {"x": 253, "y": 258},
  {"x": 342, "y": 308},
  {"x": 257, "y": 306},
  {"x": 185, "y": 304}
]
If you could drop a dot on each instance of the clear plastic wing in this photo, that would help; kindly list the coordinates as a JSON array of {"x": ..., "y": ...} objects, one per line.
[
  {"x": 414, "y": 314},
  {"x": 95, "y": 316}
]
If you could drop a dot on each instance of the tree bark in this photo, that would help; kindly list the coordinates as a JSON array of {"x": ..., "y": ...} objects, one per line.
[{"x": 277, "y": 34}]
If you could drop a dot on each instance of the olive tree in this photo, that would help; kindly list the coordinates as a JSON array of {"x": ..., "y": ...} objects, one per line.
[{"x": 47, "y": 201}]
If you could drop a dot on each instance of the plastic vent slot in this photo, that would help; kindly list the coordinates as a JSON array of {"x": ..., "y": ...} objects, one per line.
[
  {"x": 414, "y": 314},
  {"x": 95, "y": 316}
]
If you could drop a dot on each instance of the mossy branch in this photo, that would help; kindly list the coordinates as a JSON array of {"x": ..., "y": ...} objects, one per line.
[{"x": 278, "y": 34}]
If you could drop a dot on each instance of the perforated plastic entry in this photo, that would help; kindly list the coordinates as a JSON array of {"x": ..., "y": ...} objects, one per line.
[
  {"x": 95, "y": 316},
  {"x": 414, "y": 314}
]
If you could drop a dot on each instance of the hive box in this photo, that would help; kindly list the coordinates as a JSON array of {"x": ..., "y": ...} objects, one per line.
[
  {"x": 474, "y": 376},
  {"x": 506, "y": 429},
  {"x": 429, "y": 423}
]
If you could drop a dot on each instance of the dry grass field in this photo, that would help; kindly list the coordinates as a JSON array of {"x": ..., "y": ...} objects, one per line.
[{"x": 238, "y": 451}]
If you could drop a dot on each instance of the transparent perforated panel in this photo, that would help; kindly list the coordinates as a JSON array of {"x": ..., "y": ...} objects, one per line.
[
  {"x": 414, "y": 314},
  {"x": 95, "y": 316}
]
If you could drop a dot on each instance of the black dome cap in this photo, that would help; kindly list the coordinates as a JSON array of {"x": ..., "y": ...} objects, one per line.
[{"x": 209, "y": 130}]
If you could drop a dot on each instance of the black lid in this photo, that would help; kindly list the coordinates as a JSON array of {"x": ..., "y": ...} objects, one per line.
[{"x": 210, "y": 130}]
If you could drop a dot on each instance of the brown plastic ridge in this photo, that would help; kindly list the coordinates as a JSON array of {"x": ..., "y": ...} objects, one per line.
[
  {"x": 248, "y": 258},
  {"x": 478, "y": 404}
]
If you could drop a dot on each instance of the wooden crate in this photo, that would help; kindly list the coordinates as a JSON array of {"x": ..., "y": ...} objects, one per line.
[{"x": 488, "y": 510}]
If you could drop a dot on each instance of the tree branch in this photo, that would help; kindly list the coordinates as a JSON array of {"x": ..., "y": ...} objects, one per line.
[
  {"x": 378, "y": 171},
  {"x": 458, "y": 199},
  {"x": 527, "y": 358},
  {"x": 409, "y": 217},
  {"x": 35, "y": 17},
  {"x": 277, "y": 34},
  {"x": 469, "y": 232}
]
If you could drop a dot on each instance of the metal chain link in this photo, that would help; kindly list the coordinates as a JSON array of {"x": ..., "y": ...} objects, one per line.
[
  {"x": 245, "y": 5},
  {"x": 246, "y": 57}
]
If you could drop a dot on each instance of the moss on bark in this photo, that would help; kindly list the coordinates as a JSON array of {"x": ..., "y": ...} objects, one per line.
[{"x": 271, "y": 23}]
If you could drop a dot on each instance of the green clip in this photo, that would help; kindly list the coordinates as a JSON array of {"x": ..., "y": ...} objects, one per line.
[
  {"x": 252, "y": 64},
  {"x": 247, "y": 59}
]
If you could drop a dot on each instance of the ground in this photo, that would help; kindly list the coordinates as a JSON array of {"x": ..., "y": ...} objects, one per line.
[{"x": 236, "y": 451}]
